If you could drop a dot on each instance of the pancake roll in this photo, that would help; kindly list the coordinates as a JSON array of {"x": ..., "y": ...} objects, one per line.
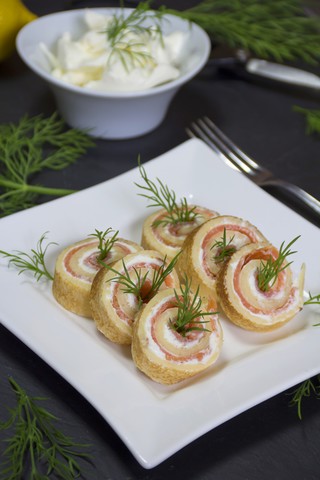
[
  {"x": 166, "y": 229},
  {"x": 242, "y": 297},
  {"x": 76, "y": 267},
  {"x": 168, "y": 238},
  {"x": 117, "y": 294},
  {"x": 168, "y": 355},
  {"x": 208, "y": 247}
]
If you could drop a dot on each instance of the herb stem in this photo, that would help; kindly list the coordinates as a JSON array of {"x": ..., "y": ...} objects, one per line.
[
  {"x": 190, "y": 315},
  {"x": 32, "y": 145},
  {"x": 127, "y": 36},
  {"x": 38, "y": 440},
  {"x": 312, "y": 300},
  {"x": 304, "y": 390},
  {"x": 224, "y": 248},
  {"x": 161, "y": 196},
  {"x": 312, "y": 118},
  {"x": 105, "y": 243},
  {"x": 143, "y": 286},
  {"x": 278, "y": 29},
  {"x": 270, "y": 269},
  {"x": 35, "y": 261},
  {"x": 39, "y": 189}
]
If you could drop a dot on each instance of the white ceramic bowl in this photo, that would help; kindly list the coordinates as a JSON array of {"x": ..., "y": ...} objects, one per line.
[{"x": 112, "y": 115}]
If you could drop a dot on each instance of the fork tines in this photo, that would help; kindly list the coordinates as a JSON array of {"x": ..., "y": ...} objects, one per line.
[{"x": 208, "y": 131}]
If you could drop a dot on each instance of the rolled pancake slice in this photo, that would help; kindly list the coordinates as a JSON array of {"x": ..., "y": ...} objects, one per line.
[
  {"x": 245, "y": 304},
  {"x": 113, "y": 308},
  {"x": 166, "y": 356},
  {"x": 200, "y": 258},
  {"x": 168, "y": 238},
  {"x": 77, "y": 265}
]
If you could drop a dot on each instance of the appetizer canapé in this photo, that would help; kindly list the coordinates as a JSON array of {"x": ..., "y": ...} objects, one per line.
[
  {"x": 167, "y": 229},
  {"x": 207, "y": 248},
  {"x": 119, "y": 292},
  {"x": 174, "y": 338},
  {"x": 76, "y": 267},
  {"x": 256, "y": 288},
  {"x": 168, "y": 237}
]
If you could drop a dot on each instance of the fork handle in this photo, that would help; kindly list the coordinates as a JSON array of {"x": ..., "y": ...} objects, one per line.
[{"x": 305, "y": 198}]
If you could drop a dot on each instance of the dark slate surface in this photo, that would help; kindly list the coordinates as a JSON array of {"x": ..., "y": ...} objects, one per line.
[{"x": 266, "y": 442}]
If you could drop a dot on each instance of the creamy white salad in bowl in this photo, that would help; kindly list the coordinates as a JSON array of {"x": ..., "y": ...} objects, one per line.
[{"x": 113, "y": 71}]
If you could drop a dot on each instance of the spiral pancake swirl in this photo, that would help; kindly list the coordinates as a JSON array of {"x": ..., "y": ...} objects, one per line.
[
  {"x": 165, "y": 355},
  {"x": 199, "y": 258},
  {"x": 76, "y": 267},
  {"x": 168, "y": 238},
  {"x": 113, "y": 309},
  {"x": 245, "y": 304}
]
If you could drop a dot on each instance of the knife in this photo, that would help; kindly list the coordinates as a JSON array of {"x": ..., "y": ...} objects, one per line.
[
  {"x": 269, "y": 73},
  {"x": 282, "y": 73}
]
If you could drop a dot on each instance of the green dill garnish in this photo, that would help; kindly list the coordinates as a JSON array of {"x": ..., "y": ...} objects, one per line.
[
  {"x": 189, "y": 311},
  {"x": 161, "y": 196},
  {"x": 312, "y": 118},
  {"x": 305, "y": 390},
  {"x": 224, "y": 248},
  {"x": 33, "y": 261},
  {"x": 37, "y": 441},
  {"x": 105, "y": 243},
  {"x": 312, "y": 300},
  {"x": 278, "y": 29},
  {"x": 28, "y": 147},
  {"x": 268, "y": 271},
  {"x": 128, "y": 35},
  {"x": 142, "y": 286}
]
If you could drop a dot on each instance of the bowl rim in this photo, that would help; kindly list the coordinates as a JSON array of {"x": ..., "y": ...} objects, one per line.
[{"x": 171, "y": 85}]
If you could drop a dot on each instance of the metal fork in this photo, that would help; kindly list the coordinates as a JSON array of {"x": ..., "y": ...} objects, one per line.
[{"x": 207, "y": 131}]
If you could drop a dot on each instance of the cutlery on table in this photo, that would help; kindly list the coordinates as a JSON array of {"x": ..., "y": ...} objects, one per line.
[
  {"x": 265, "y": 72},
  {"x": 282, "y": 73},
  {"x": 234, "y": 157}
]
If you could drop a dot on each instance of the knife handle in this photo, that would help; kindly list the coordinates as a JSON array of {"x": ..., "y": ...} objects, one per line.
[{"x": 282, "y": 73}]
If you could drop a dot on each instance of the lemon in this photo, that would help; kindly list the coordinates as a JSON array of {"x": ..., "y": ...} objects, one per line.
[{"x": 13, "y": 16}]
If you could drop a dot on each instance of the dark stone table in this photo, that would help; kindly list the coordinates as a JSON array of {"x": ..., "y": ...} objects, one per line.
[{"x": 266, "y": 442}]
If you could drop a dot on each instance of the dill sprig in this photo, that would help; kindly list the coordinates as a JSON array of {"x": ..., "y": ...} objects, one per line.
[
  {"x": 28, "y": 147},
  {"x": 312, "y": 300},
  {"x": 105, "y": 243},
  {"x": 142, "y": 286},
  {"x": 312, "y": 118},
  {"x": 39, "y": 441},
  {"x": 278, "y": 29},
  {"x": 268, "y": 271},
  {"x": 189, "y": 311},
  {"x": 305, "y": 390},
  {"x": 33, "y": 261},
  {"x": 128, "y": 35},
  {"x": 225, "y": 248},
  {"x": 161, "y": 196}
]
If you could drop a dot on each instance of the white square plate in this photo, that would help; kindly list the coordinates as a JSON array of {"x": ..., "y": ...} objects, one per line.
[{"x": 157, "y": 421}]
